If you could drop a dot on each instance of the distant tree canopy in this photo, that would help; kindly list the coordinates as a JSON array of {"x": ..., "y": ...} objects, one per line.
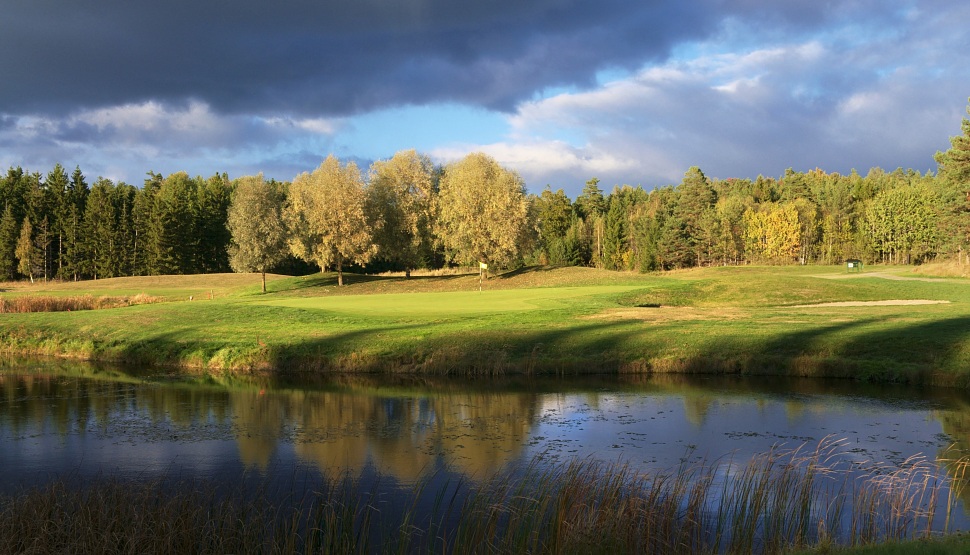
[{"x": 410, "y": 214}]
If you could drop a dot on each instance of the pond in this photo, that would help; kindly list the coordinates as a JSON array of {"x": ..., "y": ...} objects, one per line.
[{"x": 76, "y": 421}]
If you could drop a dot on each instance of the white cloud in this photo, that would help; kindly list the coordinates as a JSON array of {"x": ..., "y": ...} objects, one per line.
[
  {"x": 740, "y": 114},
  {"x": 123, "y": 142}
]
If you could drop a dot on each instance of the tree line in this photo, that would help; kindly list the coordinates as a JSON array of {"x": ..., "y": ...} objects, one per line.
[{"x": 406, "y": 213}]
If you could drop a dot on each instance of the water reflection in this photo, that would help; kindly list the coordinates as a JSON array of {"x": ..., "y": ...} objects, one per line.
[{"x": 75, "y": 418}]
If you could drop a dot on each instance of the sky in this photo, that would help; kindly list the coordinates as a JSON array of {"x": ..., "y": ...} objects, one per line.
[{"x": 627, "y": 91}]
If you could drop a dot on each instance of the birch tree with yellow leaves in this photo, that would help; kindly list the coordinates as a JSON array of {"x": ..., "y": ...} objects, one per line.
[
  {"x": 325, "y": 215},
  {"x": 399, "y": 204},
  {"x": 482, "y": 211}
]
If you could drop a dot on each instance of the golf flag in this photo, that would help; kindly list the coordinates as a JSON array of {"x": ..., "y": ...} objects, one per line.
[{"x": 483, "y": 266}]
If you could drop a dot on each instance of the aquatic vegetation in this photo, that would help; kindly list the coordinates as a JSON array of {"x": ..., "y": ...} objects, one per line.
[{"x": 779, "y": 500}]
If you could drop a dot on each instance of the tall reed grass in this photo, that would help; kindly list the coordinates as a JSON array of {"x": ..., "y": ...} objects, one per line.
[
  {"x": 778, "y": 501},
  {"x": 37, "y": 303}
]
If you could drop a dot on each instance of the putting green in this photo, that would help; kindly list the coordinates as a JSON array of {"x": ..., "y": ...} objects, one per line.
[{"x": 453, "y": 303}]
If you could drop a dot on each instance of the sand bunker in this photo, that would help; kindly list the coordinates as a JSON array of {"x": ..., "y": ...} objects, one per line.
[{"x": 895, "y": 302}]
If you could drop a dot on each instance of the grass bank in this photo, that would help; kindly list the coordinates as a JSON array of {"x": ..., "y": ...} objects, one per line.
[{"x": 884, "y": 325}]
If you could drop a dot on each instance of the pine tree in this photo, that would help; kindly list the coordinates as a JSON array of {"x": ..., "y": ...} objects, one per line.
[
  {"x": 25, "y": 250},
  {"x": 953, "y": 175},
  {"x": 144, "y": 213},
  {"x": 75, "y": 200},
  {"x": 99, "y": 239},
  {"x": 591, "y": 203},
  {"x": 57, "y": 183},
  {"x": 8, "y": 244},
  {"x": 214, "y": 198},
  {"x": 42, "y": 263}
]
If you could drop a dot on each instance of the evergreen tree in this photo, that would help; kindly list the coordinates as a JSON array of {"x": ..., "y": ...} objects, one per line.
[
  {"x": 953, "y": 175},
  {"x": 123, "y": 200},
  {"x": 15, "y": 192},
  {"x": 615, "y": 234},
  {"x": 696, "y": 198},
  {"x": 144, "y": 215},
  {"x": 101, "y": 253},
  {"x": 25, "y": 250},
  {"x": 75, "y": 200},
  {"x": 214, "y": 198},
  {"x": 57, "y": 183},
  {"x": 591, "y": 202},
  {"x": 41, "y": 263},
  {"x": 175, "y": 225},
  {"x": 8, "y": 244}
]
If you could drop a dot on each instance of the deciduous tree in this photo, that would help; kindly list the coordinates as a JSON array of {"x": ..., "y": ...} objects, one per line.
[
  {"x": 482, "y": 211},
  {"x": 255, "y": 221},
  {"x": 399, "y": 207},
  {"x": 325, "y": 215}
]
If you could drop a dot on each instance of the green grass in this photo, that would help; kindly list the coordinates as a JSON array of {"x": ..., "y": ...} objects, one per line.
[
  {"x": 536, "y": 320},
  {"x": 955, "y": 544}
]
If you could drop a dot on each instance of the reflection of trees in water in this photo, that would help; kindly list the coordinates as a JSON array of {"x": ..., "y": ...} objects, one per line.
[
  {"x": 402, "y": 436},
  {"x": 406, "y": 436},
  {"x": 479, "y": 433},
  {"x": 956, "y": 424},
  {"x": 696, "y": 408}
]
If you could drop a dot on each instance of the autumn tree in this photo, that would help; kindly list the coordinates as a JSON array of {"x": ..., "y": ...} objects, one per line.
[
  {"x": 399, "y": 208},
  {"x": 255, "y": 222},
  {"x": 482, "y": 211},
  {"x": 772, "y": 232},
  {"x": 326, "y": 218}
]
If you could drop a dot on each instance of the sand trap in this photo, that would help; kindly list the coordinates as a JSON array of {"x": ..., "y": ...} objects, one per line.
[
  {"x": 884, "y": 275},
  {"x": 895, "y": 302}
]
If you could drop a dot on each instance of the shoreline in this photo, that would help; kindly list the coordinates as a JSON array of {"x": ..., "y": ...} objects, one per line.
[{"x": 454, "y": 363}]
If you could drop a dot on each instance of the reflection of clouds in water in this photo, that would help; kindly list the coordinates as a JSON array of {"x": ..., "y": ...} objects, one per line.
[
  {"x": 61, "y": 420},
  {"x": 660, "y": 429}
]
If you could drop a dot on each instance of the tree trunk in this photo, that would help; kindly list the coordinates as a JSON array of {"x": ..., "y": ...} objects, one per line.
[
  {"x": 340, "y": 271},
  {"x": 264, "y": 281}
]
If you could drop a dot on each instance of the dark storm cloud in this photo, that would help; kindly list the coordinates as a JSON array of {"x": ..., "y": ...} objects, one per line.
[{"x": 342, "y": 57}]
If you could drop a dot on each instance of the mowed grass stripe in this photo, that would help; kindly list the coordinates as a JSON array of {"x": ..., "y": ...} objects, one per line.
[{"x": 454, "y": 302}]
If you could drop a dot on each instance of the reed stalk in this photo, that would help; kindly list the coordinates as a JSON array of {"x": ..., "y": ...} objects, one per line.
[{"x": 778, "y": 501}]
